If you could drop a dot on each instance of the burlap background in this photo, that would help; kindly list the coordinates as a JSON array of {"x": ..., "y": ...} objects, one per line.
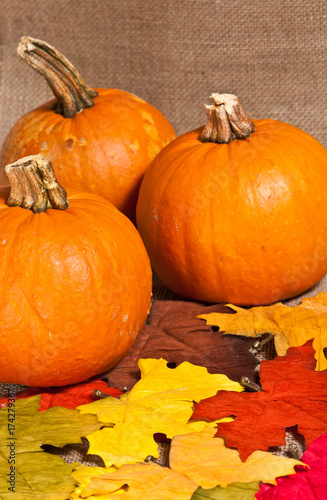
[{"x": 176, "y": 53}]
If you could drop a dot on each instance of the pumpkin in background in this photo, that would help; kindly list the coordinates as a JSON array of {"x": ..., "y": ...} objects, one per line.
[
  {"x": 236, "y": 211},
  {"x": 75, "y": 280},
  {"x": 98, "y": 140}
]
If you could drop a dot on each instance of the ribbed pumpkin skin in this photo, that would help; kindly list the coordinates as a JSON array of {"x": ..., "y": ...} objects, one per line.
[
  {"x": 104, "y": 149},
  {"x": 244, "y": 222},
  {"x": 75, "y": 290}
]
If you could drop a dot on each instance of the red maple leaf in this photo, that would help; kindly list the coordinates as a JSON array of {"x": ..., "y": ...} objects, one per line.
[
  {"x": 306, "y": 483},
  {"x": 292, "y": 394},
  {"x": 69, "y": 397}
]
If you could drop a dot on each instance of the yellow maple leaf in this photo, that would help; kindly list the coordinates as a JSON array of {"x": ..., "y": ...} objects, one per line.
[
  {"x": 83, "y": 475},
  {"x": 135, "y": 482},
  {"x": 209, "y": 463},
  {"x": 291, "y": 326},
  {"x": 196, "y": 459},
  {"x": 161, "y": 402}
]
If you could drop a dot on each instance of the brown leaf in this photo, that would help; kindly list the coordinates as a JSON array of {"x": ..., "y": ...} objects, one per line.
[{"x": 176, "y": 334}]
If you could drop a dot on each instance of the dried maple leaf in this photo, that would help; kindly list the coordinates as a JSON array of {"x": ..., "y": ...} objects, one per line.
[
  {"x": 309, "y": 483},
  {"x": 209, "y": 463},
  {"x": 161, "y": 402},
  {"x": 196, "y": 459},
  {"x": 37, "y": 473},
  {"x": 136, "y": 482},
  {"x": 83, "y": 475},
  {"x": 293, "y": 394},
  {"x": 68, "y": 397},
  {"x": 175, "y": 334},
  {"x": 291, "y": 326}
]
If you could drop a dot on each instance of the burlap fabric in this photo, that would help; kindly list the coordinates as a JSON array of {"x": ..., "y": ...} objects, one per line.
[{"x": 174, "y": 54}]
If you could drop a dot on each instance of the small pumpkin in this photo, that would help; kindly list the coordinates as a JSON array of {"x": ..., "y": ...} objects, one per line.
[
  {"x": 75, "y": 280},
  {"x": 236, "y": 211},
  {"x": 100, "y": 140}
]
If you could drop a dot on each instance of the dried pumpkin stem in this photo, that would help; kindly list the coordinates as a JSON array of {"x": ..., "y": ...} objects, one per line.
[
  {"x": 34, "y": 185},
  {"x": 72, "y": 95},
  {"x": 226, "y": 120}
]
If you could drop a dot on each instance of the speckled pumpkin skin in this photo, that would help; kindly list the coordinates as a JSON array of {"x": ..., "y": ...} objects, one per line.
[
  {"x": 75, "y": 290},
  {"x": 244, "y": 222},
  {"x": 104, "y": 149}
]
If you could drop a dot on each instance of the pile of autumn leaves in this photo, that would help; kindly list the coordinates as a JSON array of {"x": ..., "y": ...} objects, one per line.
[{"x": 182, "y": 380}]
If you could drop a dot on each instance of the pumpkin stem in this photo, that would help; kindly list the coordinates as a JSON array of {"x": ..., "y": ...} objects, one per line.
[
  {"x": 34, "y": 185},
  {"x": 226, "y": 120},
  {"x": 64, "y": 80}
]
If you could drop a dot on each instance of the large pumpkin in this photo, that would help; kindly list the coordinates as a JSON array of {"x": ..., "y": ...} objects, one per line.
[
  {"x": 236, "y": 211},
  {"x": 75, "y": 280},
  {"x": 99, "y": 140}
]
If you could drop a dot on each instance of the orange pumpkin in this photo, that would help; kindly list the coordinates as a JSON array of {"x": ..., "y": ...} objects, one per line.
[
  {"x": 236, "y": 211},
  {"x": 98, "y": 140},
  {"x": 75, "y": 280}
]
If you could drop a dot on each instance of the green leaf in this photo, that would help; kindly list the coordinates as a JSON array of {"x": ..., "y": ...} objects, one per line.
[
  {"x": 241, "y": 491},
  {"x": 57, "y": 426},
  {"x": 24, "y": 466},
  {"x": 37, "y": 476}
]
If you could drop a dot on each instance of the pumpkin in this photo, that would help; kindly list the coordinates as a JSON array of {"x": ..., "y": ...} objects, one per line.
[
  {"x": 236, "y": 211},
  {"x": 99, "y": 140},
  {"x": 75, "y": 280}
]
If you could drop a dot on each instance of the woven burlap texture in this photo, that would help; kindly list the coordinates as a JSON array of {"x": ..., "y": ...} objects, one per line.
[{"x": 176, "y": 53}]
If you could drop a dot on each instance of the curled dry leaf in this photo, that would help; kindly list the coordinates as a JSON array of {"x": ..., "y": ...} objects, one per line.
[
  {"x": 176, "y": 334},
  {"x": 291, "y": 326},
  {"x": 292, "y": 394}
]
